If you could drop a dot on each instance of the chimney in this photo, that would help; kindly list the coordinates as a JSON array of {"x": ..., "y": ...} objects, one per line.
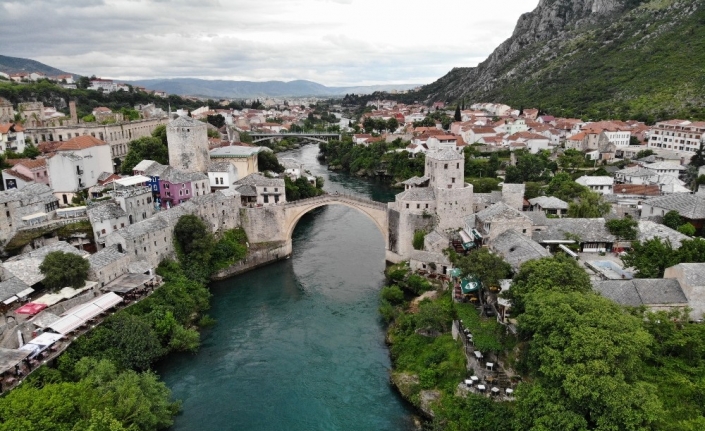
[{"x": 72, "y": 111}]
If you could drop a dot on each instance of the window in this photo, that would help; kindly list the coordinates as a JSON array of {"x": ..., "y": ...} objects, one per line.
[
  {"x": 418, "y": 206},
  {"x": 407, "y": 206},
  {"x": 452, "y": 180},
  {"x": 445, "y": 166},
  {"x": 265, "y": 189},
  {"x": 103, "y": 231},
  {"x": 276, "y": 189}
]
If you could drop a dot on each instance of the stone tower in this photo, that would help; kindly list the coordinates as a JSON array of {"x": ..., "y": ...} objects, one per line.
[
  {"x": 188, "y": 144},
  {"x": 454, "y": 199}
]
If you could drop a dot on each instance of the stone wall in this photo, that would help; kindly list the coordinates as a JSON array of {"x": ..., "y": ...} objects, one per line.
[
  {"x": 255, "y": 259},
  {"x": 264, "y": 224},
  {"x": 453, "y": 205}
]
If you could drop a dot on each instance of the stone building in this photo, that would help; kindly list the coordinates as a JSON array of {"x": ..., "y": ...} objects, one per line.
[
  {"x": 498, "y": 218},
  {"x": 117, "y": 135},
  {"x": 7, "y": 114},
  {"x": 188, "y": 144},
  {"x": 244, "y": 159},
  {"x": 105, "y": 218},
  {"x": 107, "y": 264},
  {"x": 31, "y": 205},
  {"x": 137, "y": 202},
  {"x": 267, "y": 191}
]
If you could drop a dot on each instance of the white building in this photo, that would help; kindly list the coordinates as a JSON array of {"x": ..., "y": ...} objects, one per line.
[
  {"x": 602, "y": 185},
  {"x": 677, "y": 135},
  {"x": 77, "y": 164}
]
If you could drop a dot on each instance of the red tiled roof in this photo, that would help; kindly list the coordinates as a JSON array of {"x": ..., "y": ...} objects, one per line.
[
  {"x": 16, "y": 174},
  {"x": 80, "y": 143},
  {"x": 637, "y": 189}
]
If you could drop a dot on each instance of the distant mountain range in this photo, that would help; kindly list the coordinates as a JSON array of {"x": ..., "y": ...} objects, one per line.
[
  {"x": 250, "y": 89},
  {"x": 216, "y": 88},
  {"x": 17, "y": 64}
]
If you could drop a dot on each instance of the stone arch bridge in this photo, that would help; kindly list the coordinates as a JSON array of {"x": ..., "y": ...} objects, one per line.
[
  {"x": 276, "y": 223},
  {"x": 314, "y": 136}
]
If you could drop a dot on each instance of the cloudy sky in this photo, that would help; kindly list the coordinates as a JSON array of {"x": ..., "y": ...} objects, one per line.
[{"x": 333, "y": 42}]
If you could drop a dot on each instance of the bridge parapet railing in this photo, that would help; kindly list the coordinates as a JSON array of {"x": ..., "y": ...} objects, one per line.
[{"x": 339, "y": 197}]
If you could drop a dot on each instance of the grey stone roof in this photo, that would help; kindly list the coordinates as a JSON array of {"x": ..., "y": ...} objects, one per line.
[
  {"x": 417, "y": 194},
  {"x": 587, "y": 229},
  {"x": 642, "y": 291},
  {"x": 517, "y": 248},
  {"x": 549, "y": 202},
  {"x": 435, "y": 237},
  {"x": 595, "y": 181},
  {"x": 259, "y": 180},
  {"x": 235, "y": 151},
  {"x": 429, "y": 256},
  {"x": 11, "y": 286},
  {"x": 637, "y": 171},
  {"x": 105, "y": 257},
  {"x": 31, "y": 193},
  {"x": 153, "y": 224},
  {"x": 415, "y": 181},
  {"x": 186, "y": 121},
  {"x": 26, "y": 266},
  {"x": 247, "y": 191},
  {"x": 105, "y": 210},
  {"x": 688, "y": 205},
  {"x": 209, "y": 198},
  {"x": 538, "y": 218},
  {"x": 693, "y": 273},
  {"x": 499, "y": 211},
  {"x": 665, "y": 166},
  {"x": 445, "y": 155},
  {"x": 649, "y": 229},
  {"x": 143, "y": 165},
  {"x": 219, "y": 166},
  {"x": 514, "y": 188},
  {"x": 177, "y": 176},
  {"x": 104, "y": 176},
  {"x": 154, "y": 170}
]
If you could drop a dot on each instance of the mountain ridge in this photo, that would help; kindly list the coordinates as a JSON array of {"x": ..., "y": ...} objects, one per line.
[
  {"x": 251, "y": 89},
  {"x": 643, "y": 59},
  {"x": 18, "y": 64}
]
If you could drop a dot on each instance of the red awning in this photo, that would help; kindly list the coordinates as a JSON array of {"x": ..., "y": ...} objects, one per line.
[{"x": 31, "y": 308}]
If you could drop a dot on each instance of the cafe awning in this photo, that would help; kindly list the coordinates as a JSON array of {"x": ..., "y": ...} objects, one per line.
[
  {"x": 31, "y": 308},
  {"x": 469, "y": 285}
]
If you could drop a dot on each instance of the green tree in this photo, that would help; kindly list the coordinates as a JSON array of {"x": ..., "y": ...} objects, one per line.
[
  {"x": 417, "y": 241},
  {"x": 392, "y": 124},
  {"x": 571, "y": 159},
  {"x": 698, "y": 158},
  {"x": 672, "y": 219},
  {"x": 550, "y": 274},
  {"x": 484, "y": 185},
  {"x": 457, "y": 116},
  {"x": 160, "y": 133},
  {"x": 687, "y": 229},
  {"x": 368, "y": 124},
  {"x": 144, "y": 148},
  {"x": 625, "y": 228},
  {"x": 268, "y": 161},
  {"x": 83, "y": 82},
  {"x": 196, "y": 244},
  {"x": 650, "y": 258},
  {"x": 217, "y": 120},
  {"x": 590, "y": 205},
  {"x": 489, "y": 268},
  {"x": 586, "y": 354},
  {"x": 563, "y": 187},
  {"x": 530, "y": 167},
  {"x": 62, "y": 269}
]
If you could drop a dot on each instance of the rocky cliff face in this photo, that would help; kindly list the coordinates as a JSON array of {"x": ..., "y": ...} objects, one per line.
[{"x": 563, "y": 40}]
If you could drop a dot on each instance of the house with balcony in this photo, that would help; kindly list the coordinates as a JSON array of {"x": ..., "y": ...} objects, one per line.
[
  {"x": 11, "y": 137},
  {"x": 26, "y": 207},
  {"x": 177, "y": 186},
  {"x": 77, "y": 164},
  {"x": 26, "y": 171},
  {"x": 258, "y": 190}
]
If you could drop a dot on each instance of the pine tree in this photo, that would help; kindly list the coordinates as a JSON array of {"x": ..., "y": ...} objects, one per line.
[{"x": 457, "y": 113}]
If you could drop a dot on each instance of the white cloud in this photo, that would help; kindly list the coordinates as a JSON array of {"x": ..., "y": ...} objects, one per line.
[{"x": 334, "y": 42}]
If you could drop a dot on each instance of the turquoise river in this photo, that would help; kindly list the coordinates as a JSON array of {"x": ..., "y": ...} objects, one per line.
[{"x": 298, "y": 344}]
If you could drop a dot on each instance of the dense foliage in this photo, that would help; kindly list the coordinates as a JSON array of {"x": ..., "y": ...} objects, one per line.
[
  {"x": 62, "y": 269},
  {"x": 530, "y": 167},
  {"x": 86, "y": 100},
  {"x": 489, "y": 268},
  {"x": 650, "y": 258},
  {"x": 625, "y": 228},
  {"x": 302, "y": 189},
  {"x": 378, "y": 156},
  {"x": 144, "y": 148}
]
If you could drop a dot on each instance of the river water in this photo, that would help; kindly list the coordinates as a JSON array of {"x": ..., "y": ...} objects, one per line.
[{"x": 298, "y": 344}]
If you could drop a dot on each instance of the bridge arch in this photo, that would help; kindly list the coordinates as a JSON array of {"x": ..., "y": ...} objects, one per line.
[
  {"x": 272, "y": 138},
  {"x": 375, "y": 211}
]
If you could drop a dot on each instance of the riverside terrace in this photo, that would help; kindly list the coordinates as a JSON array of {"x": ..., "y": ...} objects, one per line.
[{"x": 57, "y": 333}]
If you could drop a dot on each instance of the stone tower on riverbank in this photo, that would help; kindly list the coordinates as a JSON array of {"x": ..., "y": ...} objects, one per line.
[{"x": 188, "y": 144}]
